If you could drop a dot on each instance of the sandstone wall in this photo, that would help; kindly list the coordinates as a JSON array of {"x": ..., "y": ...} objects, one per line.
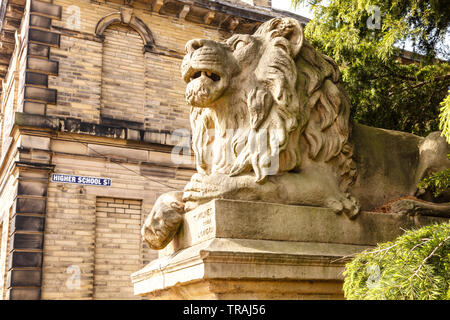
[{"x": 93, "y": 88}]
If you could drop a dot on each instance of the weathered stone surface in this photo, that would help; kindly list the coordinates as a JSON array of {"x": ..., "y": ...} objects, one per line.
[
  {"x": 272, "y": 269},
  {"x": 36, "y": 79},
  {"x": 267, "y": 290},
  {"x": 42, "y": 65},
  {"x": 23, "y": 294},
  {"x": 36, "y": 120},
  {"x": 41, "y": 94},
  {"x": 262, "y": 221},
  {"x": 34, "y": 108},
  {"x": 40, "y": 21},
  {"x": 32, "y": 188},
  {"x": 30, "y": 205},
  {"x": 24, "y": 278},
  {"x": 35, "y": 142},
  {"x": 69, "y": 147},
  {"x": 125, "y": 153},
  {"x": 27, "y": 240},
  {"x": 27, "y": 223},
  {"x": 35, "y": 49},
  {"x": 110, "y": 130},
  {"x": 25, "y": 260},
  {"x": 266, "y": 247},
  {"x": 45, "y": 8}
]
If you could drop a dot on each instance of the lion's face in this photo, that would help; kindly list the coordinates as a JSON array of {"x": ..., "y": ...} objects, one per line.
[{"x": 209, "y": 67}]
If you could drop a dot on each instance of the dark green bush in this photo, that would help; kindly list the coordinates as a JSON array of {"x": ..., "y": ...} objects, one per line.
[{"x": 416, "y": 266}]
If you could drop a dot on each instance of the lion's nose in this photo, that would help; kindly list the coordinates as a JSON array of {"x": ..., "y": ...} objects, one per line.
[{"x": 195, "y": 44}]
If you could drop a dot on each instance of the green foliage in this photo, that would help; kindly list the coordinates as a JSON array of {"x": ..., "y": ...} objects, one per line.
[
  {"x": 383, "y": 91},
  {"x": 416, "y": 266},
  {"x": 344, "y": 25},
  {"x": 437, "y": 182},
  {"x": 444, "y": 118}
]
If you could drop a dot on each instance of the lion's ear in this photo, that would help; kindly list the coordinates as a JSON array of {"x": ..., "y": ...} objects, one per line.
[{"x": 289, "y": 28}]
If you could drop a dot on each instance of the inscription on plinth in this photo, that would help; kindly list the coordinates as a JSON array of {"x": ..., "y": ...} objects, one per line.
[
  {"x": 202, "y": 220},
  {"x": 198, "y": 226}
]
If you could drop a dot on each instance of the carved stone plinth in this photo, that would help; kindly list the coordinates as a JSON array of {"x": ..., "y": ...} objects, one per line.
[{"x": 252, "y": 250}]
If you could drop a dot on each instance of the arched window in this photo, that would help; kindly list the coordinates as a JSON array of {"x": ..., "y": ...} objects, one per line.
[{"x": 123, "y": 68}]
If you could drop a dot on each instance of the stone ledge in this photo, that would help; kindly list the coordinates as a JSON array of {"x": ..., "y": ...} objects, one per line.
[
  {"x": 245, "y": 289},
  {"x": 76, "y": 126},
  {"x": 251, "y": 13},
  {"x": 231, "y": 259}
]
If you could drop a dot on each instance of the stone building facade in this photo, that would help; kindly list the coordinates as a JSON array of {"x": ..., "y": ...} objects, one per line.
[{"x": 92, "y": 89}]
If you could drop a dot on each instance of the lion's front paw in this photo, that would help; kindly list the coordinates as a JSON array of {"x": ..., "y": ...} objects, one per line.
[{"x": 345, "y": 203}]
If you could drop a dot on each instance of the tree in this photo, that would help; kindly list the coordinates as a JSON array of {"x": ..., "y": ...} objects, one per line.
[
  {"x": 445, "y": 117},
  {"x": 365, "y": 38},
  {"x": 416, "y": 266}
]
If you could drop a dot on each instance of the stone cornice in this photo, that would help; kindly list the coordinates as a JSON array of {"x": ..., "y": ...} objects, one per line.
[{"x": 117, "y": 130}]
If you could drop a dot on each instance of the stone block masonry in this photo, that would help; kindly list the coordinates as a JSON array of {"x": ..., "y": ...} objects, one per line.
[
  {"x": 116, "y": 77},
  {"x": 117, "y": 247},
  {"x": 93, "y": 88},
  {"x": 123, "y": 75},
  {"x": 96, "y": 230}
]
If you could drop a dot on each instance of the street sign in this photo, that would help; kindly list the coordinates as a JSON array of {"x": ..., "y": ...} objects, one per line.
[{"x": 91, "y": 181}]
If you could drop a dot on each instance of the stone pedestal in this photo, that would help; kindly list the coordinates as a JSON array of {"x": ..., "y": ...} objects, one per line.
[{"x": 252, "y": 250}]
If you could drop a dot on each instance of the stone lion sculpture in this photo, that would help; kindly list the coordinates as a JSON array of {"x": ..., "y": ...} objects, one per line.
[{"x": 270, "y": 122}]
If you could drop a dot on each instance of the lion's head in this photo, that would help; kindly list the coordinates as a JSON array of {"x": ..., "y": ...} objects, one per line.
[{"x": 267, "y": 102}]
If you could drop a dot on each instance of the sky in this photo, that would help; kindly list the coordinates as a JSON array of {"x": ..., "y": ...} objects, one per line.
[{"x": 286, "y": 5}]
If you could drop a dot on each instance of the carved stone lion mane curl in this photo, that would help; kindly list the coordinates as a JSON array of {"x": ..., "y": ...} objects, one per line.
[{"x": 281, "y": 106}]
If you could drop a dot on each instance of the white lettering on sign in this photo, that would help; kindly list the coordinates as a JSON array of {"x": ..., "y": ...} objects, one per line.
[{"x": 92, "y": 181}]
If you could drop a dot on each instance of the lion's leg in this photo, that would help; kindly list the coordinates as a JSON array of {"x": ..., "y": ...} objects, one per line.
[
  {"x": 317, "y": 187},
  {"x": 415, "y": 207},
  {"x": 204, "y": 188}
]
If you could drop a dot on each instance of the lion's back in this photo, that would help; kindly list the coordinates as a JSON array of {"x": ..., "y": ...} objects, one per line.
[{"x": 387, "y": 163}]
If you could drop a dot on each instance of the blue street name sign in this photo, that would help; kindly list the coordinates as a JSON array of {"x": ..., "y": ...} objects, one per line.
[{"x": 91, "y": 181}]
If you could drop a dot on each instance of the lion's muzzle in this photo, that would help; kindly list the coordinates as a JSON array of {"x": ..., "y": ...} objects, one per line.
[{"x": 206, "y": 70}]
